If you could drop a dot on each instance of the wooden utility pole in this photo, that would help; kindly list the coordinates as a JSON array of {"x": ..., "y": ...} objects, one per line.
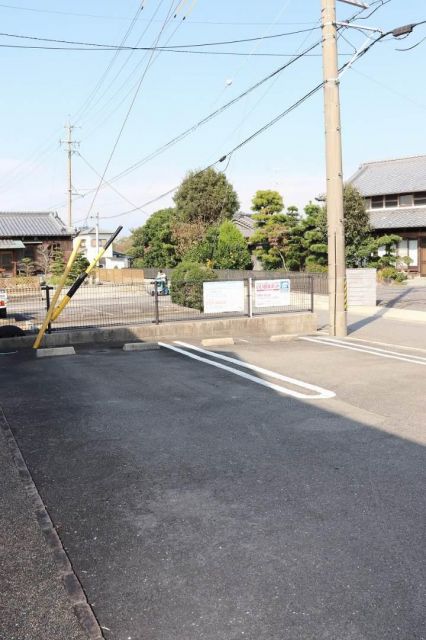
[
  {"x": 71, "y": 148},
  {"x": 335, "y": 221}
]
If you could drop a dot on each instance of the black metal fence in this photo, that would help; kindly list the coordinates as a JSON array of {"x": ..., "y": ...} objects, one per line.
[
  {"x": 320, "y": 280},
  {"x": 110, "y": 304}
]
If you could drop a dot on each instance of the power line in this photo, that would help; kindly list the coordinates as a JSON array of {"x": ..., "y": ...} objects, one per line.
[
  {"x": 117, "y": 74},
  {"x": 206, "y": 53},
  {"x": 99, "y": 83},
  {"x": 129, "y": 109},
  {"x": 258, "y": 132},
  {"x": 112, "y": 47},
  {"x": 212, "y": 115},
  {"x": 108, "y": 184},
  {"x": 109, "y": 17}
]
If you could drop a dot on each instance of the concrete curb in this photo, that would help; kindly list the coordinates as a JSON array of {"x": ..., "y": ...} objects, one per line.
[
  {"x": 217, "y": 342},
  {"x": 50, "y": 352},
  {"x": 140, "y": 346},
  {"x": 302, "y": 323},
  {"x": 283, "y": 337},
  {"x": 72, "y": 585}
]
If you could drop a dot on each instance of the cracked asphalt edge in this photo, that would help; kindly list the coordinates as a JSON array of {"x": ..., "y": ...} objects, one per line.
[{"x": 72, "y": 585}]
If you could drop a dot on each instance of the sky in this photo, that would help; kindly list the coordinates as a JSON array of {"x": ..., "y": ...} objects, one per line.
[{"x": 125, "y": 105}]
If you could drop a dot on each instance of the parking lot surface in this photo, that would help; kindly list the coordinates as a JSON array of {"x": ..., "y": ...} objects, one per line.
[{"x": 198, "y": 504}]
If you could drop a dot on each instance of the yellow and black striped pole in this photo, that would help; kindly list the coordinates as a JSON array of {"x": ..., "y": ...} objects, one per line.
[
  {"x": 55, "y": 299},
  {"x": 82, "y": 277}
]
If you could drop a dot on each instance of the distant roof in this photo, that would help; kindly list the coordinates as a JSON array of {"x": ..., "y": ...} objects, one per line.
[
  {"x": 398, "y": 218},
  {"x": 17, "y": 224},
  {"x": 87, "y": 231},
  {"x": 245, "y": 223},
  {"x": 399, "y": 175},
  {"x": 11, "y": 244}
]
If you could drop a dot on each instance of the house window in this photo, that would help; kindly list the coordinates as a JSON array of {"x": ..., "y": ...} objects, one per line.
[
  {"x": 406, "y": 200},
  {"x": 93, "y": 242},
  {"x": 367, "y": 203},
  {"x": 420, "y": 198},
  {"x": 83, "y": 244},
  {"x": 6, "y": 260},
  {"x": 391, "y": 201},
  {"x": 409, "y": 248},
  {"x": 377, "y": 202}
]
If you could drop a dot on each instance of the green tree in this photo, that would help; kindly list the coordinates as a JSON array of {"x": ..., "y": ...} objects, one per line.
[
  {"x": 204, "y": 251},
  {"x": 79, "y": 265},
  {"x": 274, "y": 238},
  {"x": 231, "y": 250},
  {"x": 207, "y": 197},
  {"x": 361, "y": 245},
  {"x": 358, "y": 231},
  {"x": 187, "y": 284},
  {"x": 26, "y": 267},
  {"x": 58, "y": 264},
  {"x": 267, "y": 202},
  {"x": 152, "y": 243},
  {"x": 313, "y": 238}
]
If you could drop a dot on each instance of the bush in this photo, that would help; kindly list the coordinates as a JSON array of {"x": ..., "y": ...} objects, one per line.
[
  {"x": 187, "y": 284},
  {"x": 313, "y": 267},
  {"x": 400, "y": 277},
  {"x": 390, "y": 273}
]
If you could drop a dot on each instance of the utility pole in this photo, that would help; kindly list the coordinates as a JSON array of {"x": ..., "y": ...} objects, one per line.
[
  {"x": 71, "y": 148},
  {"x": 97, "y": 231},
  {"x": 333, "y": 144}
]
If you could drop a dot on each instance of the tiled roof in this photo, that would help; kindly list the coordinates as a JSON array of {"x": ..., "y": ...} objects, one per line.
[
  {"x": 11, "y": 244},
  {"x": 245, "y": 223},
  {"x": 402, "y": 217},
  {"x": 400, "y": 175},
  {"x": 17, "y": 224}
]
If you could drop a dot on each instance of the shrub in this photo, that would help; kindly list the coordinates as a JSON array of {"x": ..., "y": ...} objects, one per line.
[
  {"x": 390, "y": 273},
  {"x": 313, "y": 267},
  {"x": 187, "y": 284}
]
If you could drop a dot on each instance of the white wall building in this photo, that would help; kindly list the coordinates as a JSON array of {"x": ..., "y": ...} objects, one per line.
[{"x": 111, "y": 259}]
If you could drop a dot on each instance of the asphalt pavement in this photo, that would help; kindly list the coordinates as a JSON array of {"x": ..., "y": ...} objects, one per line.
[{"x": 199, "y": 505}]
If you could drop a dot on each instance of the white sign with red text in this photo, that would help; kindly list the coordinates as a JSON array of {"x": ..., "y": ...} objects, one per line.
[
  {"x": 271, "y": 293},
  {"x": 222, "y": 297}
]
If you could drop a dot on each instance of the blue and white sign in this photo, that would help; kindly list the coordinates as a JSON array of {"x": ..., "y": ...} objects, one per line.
[{"x": 271, "y": 293}]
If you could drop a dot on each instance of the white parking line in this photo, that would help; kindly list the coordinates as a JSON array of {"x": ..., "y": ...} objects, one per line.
[
  {"x": 319, "y": 392},
  {"x": 394, "y": 355},
  {"x": 388, "y": 344}
]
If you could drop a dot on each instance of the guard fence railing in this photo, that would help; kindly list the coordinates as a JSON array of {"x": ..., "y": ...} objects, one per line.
[{"x": 112, "y": 304}]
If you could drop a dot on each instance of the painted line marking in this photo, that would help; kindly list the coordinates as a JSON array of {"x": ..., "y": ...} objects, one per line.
[
  {"x": 388, "y": 344},
  {"x": 395, "y": 353},
  {"x": 372, "y": 350},
  {"x": 320, "y": 393}
]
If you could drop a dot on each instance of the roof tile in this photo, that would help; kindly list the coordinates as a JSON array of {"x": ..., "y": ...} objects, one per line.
[
  {"x": 17, "y": 224},
  {"x": 400, "y": 175},
  {"x": 398, "y": 218}
]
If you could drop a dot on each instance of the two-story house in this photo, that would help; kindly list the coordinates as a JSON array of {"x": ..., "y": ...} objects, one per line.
[
  {"x": 395, "y": 195},
  {"x": 92, "y": 242},
  {"x": 26, "y": 234}
]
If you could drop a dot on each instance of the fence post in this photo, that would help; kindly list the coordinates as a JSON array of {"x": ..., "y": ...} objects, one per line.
[
  {"x": 47, "y": 290},
  {"x": 157, "y": 311},
  {"x": 250, "y": 297},
  {"x": 312, "y": 293}
]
